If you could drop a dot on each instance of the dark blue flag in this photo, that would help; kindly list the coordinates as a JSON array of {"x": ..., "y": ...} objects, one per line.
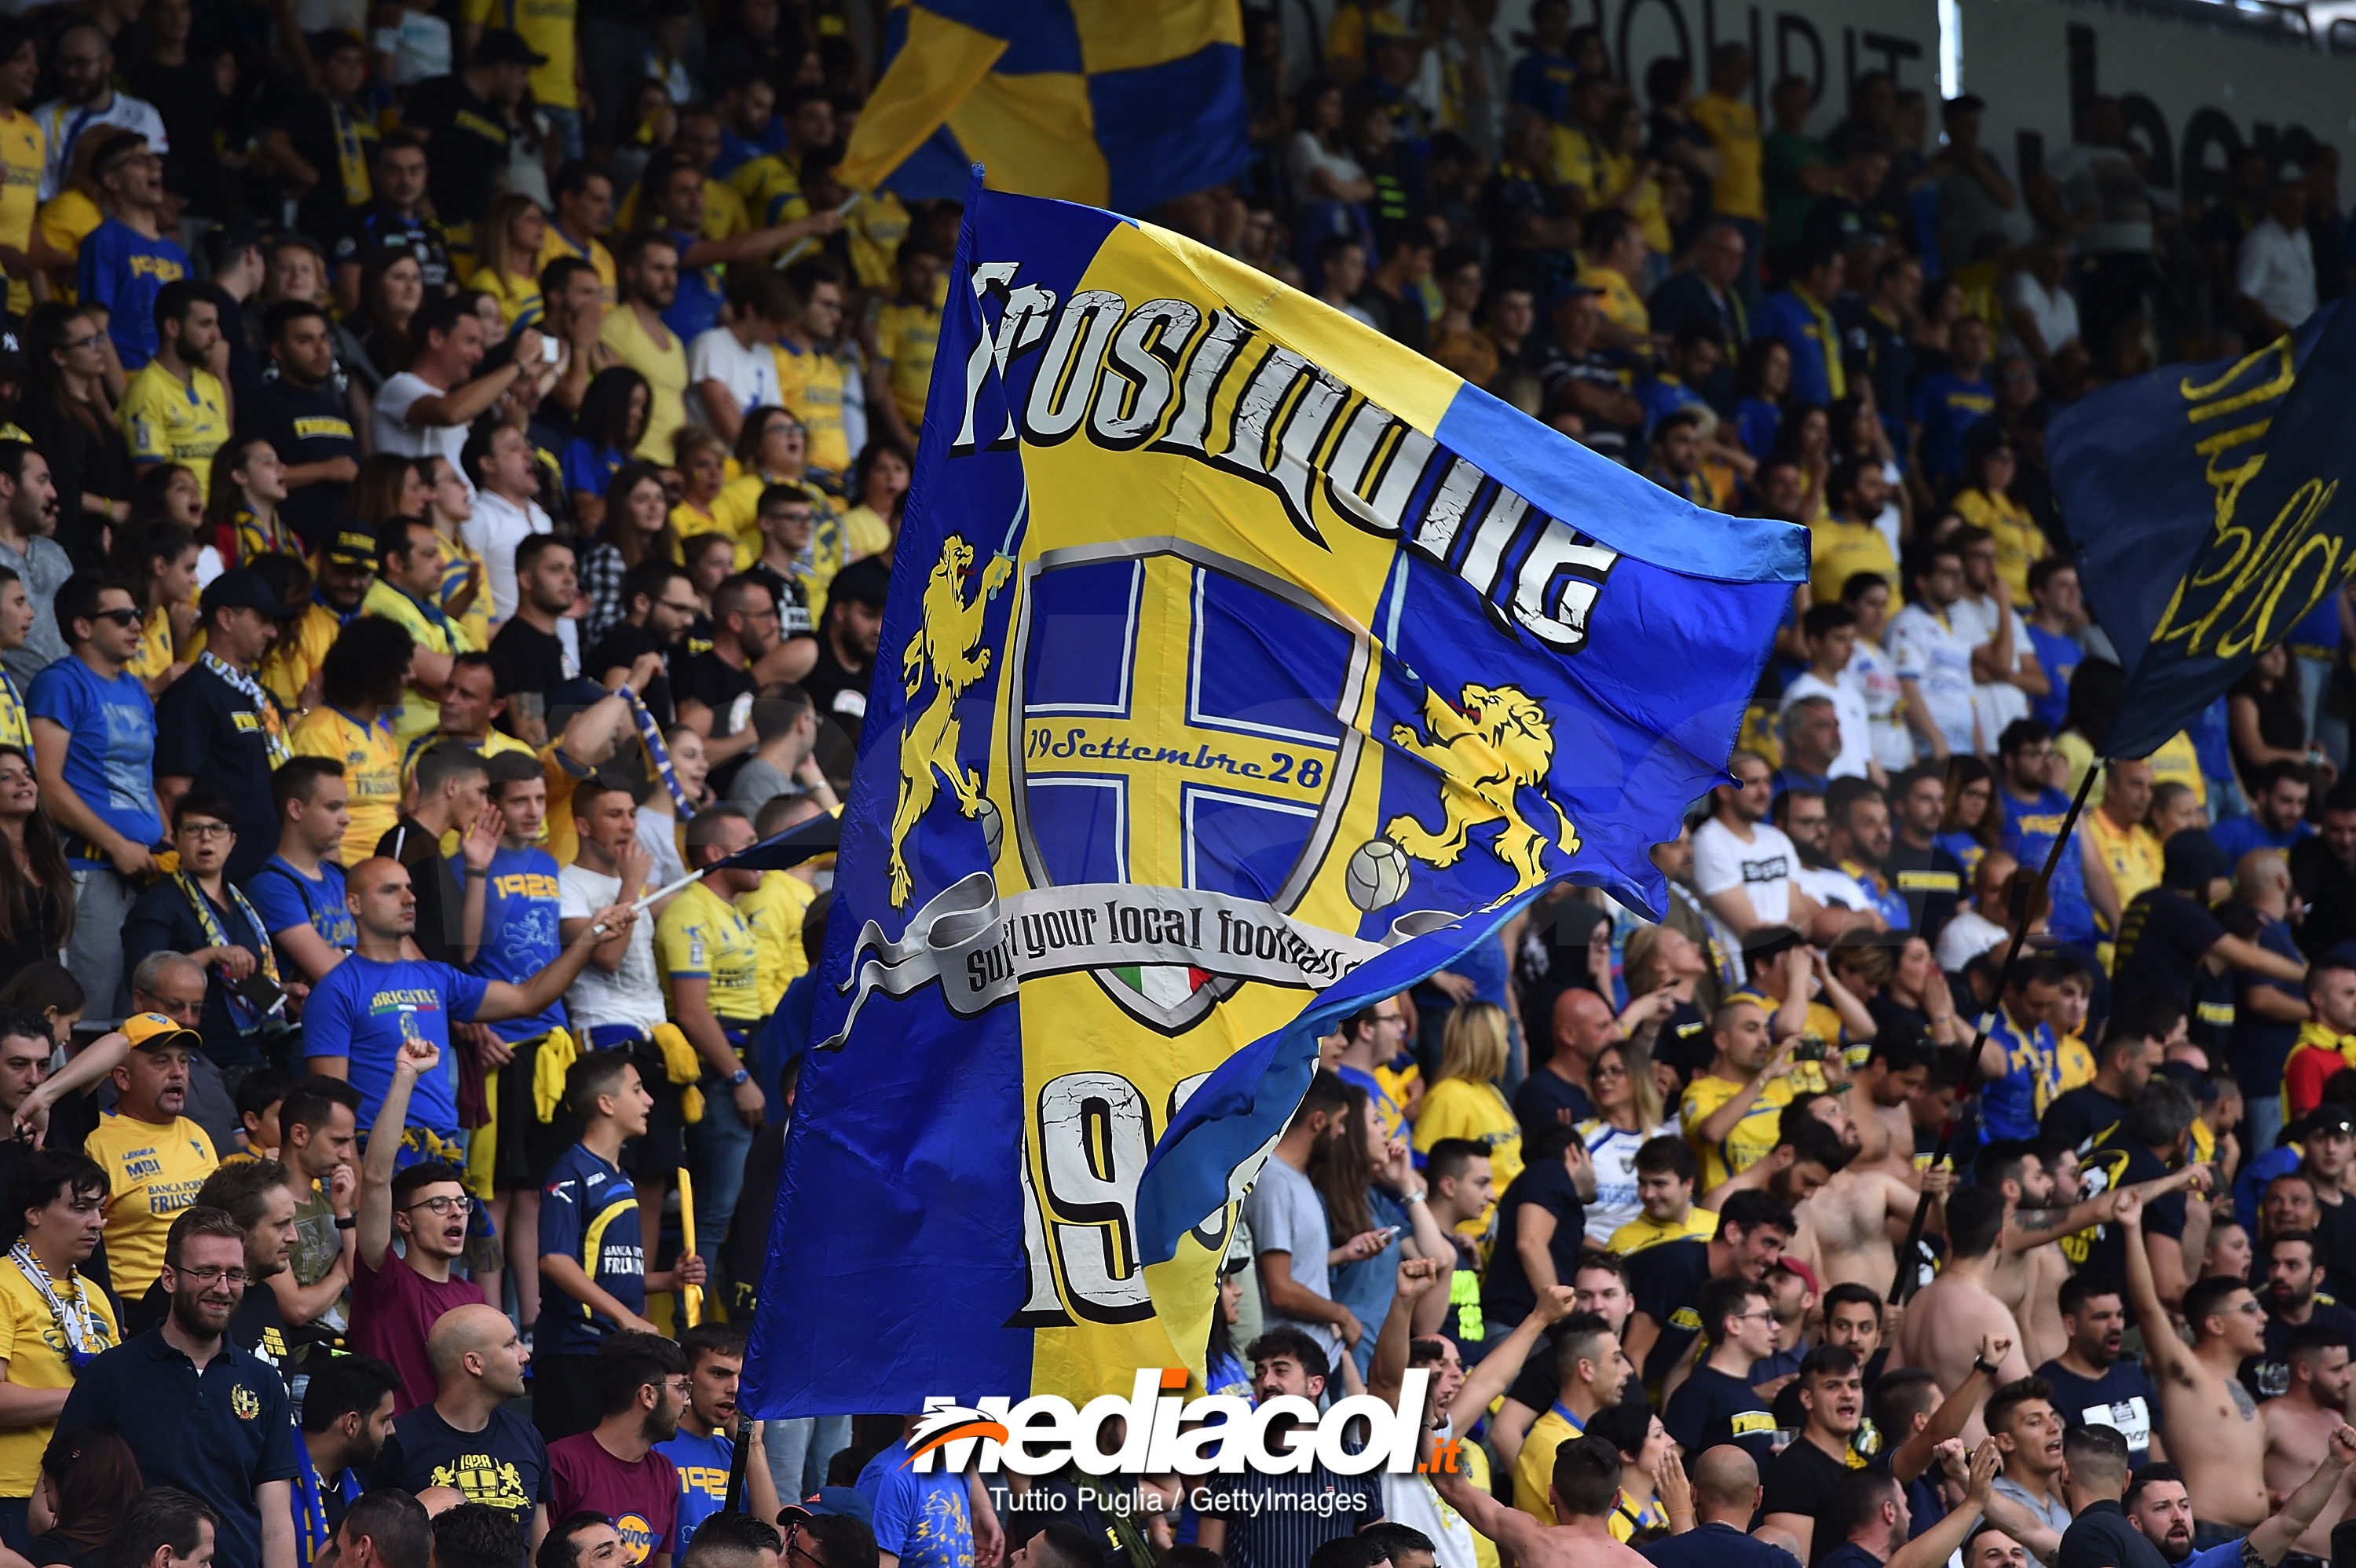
[
  {"x": 821, "y": 835},
  {"x": 2210, "y": 513}
]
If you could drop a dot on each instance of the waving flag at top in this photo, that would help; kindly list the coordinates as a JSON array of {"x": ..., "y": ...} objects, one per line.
[
  {"x": 1240, "y": 665},
  {"x": 2213, "y": 507},
  {"x": 1121, "y": 105}
]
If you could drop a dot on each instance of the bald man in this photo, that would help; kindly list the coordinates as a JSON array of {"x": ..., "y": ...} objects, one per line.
[
  {"x": 468, "y": 1439},
  {"x": 1557, "y": 1092},
  {"x": 358, "y": 1017},
  {"x": 1726, "y": 1494}
]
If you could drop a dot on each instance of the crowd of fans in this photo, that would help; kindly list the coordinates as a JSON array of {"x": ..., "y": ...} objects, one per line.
[{"x": 450, "y": 464}]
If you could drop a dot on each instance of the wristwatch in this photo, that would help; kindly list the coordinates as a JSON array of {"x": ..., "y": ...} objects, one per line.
[
  {"x": 1415, "y": 1197},
  {"x": 1981, "y": 1364},
  {"x": 738, "y": 1077},
  {"x": 346, "y": 1222}
]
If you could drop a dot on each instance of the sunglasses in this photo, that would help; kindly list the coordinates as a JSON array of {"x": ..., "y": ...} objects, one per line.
[{"x": 125, "y": 616}]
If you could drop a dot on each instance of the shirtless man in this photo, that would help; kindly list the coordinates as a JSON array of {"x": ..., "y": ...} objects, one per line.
[
  {"x": 1586, "y": 1487},
  {"x": 2030, "y": 1265},
  {"x": 2300, "y": 1424},
  {"x": 1898, "y": 1068},
  {"x": 1951, "y": 1314},
  {"x": 1846, "y": 1226},
  {"x": 2211, "y": 1421}
]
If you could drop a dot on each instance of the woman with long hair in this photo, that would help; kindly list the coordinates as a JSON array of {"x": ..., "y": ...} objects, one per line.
[
  {"x": 48, "y": 987},
  {"x": 160, "y": 560},
  {"x": 392, "y": 285},
  {"x": 639, "y": 529},
  {"x": 612, "y": 419},
  {"x": 2266, "y": 717},
  {"x": 1628, "y": 1111},
  {"x": 1762, "y": 383},
  {"x": 1804, "y": 439},
  {"x": 67, "y": 412},
  {"x": 1352, "y": 1172},
  {"x": 880, "y": 479},
  {"x": 1974, "y": 818},
  {"x": 36, "y": 896},
  {"x": 242, "y": 519},
  {"x": 1663, "y": 958},
  {"x": 88, "y": 1478},
  {"x": 1654, "y": 1496},
  {"x": 2096, "y": 687},
  {"x": 1464, "y": 1101},
  {"x": 449, "y": 506},
  {"x": 1990, "y": 464},
  {"x": 1223, "y": 1371},
  {"x": 391, "y": 485},
  {"x": 514, "y": 230}
]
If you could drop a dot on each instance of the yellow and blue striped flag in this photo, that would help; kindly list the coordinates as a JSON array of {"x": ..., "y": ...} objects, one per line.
[{"x": 1115, "y": 104}]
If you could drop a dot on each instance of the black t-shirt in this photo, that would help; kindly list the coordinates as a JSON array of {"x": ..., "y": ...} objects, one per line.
[
  {"x": 1805, "y": 1479},
  {"x": 2337, "y": 1221},
  {"x": 2163, "y": 936},
  {"x": 435, "y": 879},
  {"x": 1683, "y": 1041},
  {"x": 1507, "y": 1297},
  {"x": 1931, "y": 882},
  {"x": 2268, "y": 1374},
  {"x": 714, "y": 682},
  {"x": 504, "y": 1465},
  {"x": 1712, "y": 1407},
  {"x": 54, "y": 1551},
  {"x": 2123, "y": 1164},
  {"x": 1662, "y": 1283},
  {"x": 2102, "y": 1537},
  {"x": 622, "y": 647},
  {"x": 311, "y": 125},
  {"x": 376, "y": 227},
  {"x": 791, "y": 595},
  {"x": 208, "y": 730},
  {"x": 1547, "y": 1098},
  {"x": 2122, "y": 1398},
  {"x": 2083, "y": 1115},
  {"x": 305, "y": 425},
  {"x": 839, "y": 692},
  {"x": 469, "y": 147},
  {"x": 527, "y": 658}
]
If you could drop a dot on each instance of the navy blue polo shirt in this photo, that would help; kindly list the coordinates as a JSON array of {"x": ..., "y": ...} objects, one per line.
[
  {"x": 1715, "y": 1545},
  {"x": 219, "y": 1433}
]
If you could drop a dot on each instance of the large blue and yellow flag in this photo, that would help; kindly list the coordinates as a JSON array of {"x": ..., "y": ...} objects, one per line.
[
  {"x": 1240, "y": 665},
  {"x": 2213, "y": 506},
  {"x": 1121, "y": 105}
]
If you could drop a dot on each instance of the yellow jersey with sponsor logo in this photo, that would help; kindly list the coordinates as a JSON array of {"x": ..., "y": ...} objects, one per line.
[
  {"x": 166, "y": 419},
  {"x": 66, "y": 220},
  {"x": 153, "y": 1172},
  {"x": 434, "y": 633},
  {"x": 15, "y": 724},
  {"x": 907, "y": 336},
  {"x": 560, "y": 244},
  {"x": 34, "y": 1349},
  {"x": 23, "y": 156},
  {"x": 872, "y": 232},
  {"x": 371, "y": 758},
  {"x": 775, "y": 910},
  {"x": 811, "y": 387},
  {"x": 702, "y": 936},
  {"x": 1699, "y": 1225},
  {"x": 770, "y": 187},
  {"x": 1752, "y": 1137}
]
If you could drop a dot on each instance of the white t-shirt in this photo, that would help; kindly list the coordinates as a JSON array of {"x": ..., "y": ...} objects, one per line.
[
  {"x": 63, "y": 124},
  {"x": 631, "y": 994},
  {"x": 2055, "y": 315},
  {"x": 395, "y": 434},
  {"x": 1613, "y": 1151},
  {"x": 1928, "y": 652},
  {"x": 2276, "y": 268},
  {"x": 1976, "y": 621},
  {"x": 1305, "y": 152},
  {"x": 1856, "y": 721},
  {"x": 656, "y": 835},
  {"x": 499, "y": 525},
  {"x": 1830, "y": 888},
  {"x": 1761, "y": 869},
  {"x": 1875, "y": 679},
  {"x": 1965, "y": 937},
  {"x": 2106, "y": 179},
  {"x": 749, "y": 374},
  {"x": 1414, "y": 1501}
]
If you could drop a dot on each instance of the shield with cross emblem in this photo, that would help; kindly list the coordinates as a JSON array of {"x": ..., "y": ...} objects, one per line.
[{"x": 1181, "y": 720}]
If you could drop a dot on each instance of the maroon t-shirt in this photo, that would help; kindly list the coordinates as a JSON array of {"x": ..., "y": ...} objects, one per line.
[
  {"x": 642, "y": 1500},
  {"x": 392, "y": 1311}
]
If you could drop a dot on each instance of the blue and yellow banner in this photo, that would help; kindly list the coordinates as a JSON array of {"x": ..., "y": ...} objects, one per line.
[
  {"x": 1119, "y": 105},
  {"x": 1240, "y": 664},
  {"x": 2213, "y": 506}
]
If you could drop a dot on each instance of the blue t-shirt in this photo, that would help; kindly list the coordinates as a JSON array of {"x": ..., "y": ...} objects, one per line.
[
  {"x": 2319, "y": 629},
  {"x": 2213, "y": 742},
  {"x": 284, "y": 898},
  {"x": 2030, "y": 826},
  {"x": 2261, "y": 1045},
  {"x": 1542, "y": 80},
  {"x": 2237, "y": 836},
  {"x": 1945, "y": 406},
  {"x": 2058, "y": 656},
  {"x": 2009, "y": 1103},
  {"x": 589, "y": 1212},
  {"x": 124, "y": 271},
  {"x": 590, "y": 467},
  {"x": 519, "y": 936},
  {"x": 1787, "y": 316},
  {"x": 366, "y": 1007},
  {"x": 704, "y": 1465},
  {"x": 695, "y": 309},
  {"x": 111, "y": 762},
  {"x": 1756, "y": 422},
  {"x": 920, "y": 1518}
]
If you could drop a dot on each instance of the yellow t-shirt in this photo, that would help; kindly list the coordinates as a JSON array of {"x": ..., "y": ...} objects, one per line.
[
  {"x": 738, "y": 509},
  {"x": 518, "y": 298},
  {"x": 559, "y": 243},
  {"x": 1622, "y": 306},
  {"x": 1459, "y": 1108},
  {"x": 153, "y": 1172},
  {"x": 295, "y": 658},
  {"x": 166, "y": 419},
  {"x": 370, "y": 753},
  {"x": 664, "y": 364},
  {"x": 775, "y": 910},
  {"x": 1753, "y": 1136},
  {"x": 864, "y": 532},
  {"x": 15, "y": 724},
  {"x": 1575, "y": 158},
  {"x": 417, "y": 714},
  {"x": 811, "y": 387},
  {"x": 724, "y": 212},
  {"x": 1700, "y": 1225},
  {"x": 34, "y": 1349},
  {"x": 688, "y": 520},
  {"x": 1738, "y": 191},
  {"x": 24, "y": 154},
  {"x": 67, "y": 219},
  {"x": 1838, "y": 551},
  {"x": 547, "y": 27},
  {"x": 871, "y": 233},
  {"x": 770, "y": 187},
  {"x": 702, "y": 937},
  {"x": 1534, "y": 1475},
  {"x": 2132, "y": 857},
  {"x": 2074, "y": 1068},
  {"x": 153, "y": 654},
  {"x": 907, "y": 336},
  {"x": 2019, "y": 542}
]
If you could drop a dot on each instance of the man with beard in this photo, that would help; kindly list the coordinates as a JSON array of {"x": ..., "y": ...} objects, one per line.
[
  {"x": 1858, "y": 839},
  {"x": 2131, "y": 1053},
  {"x": 259, "y": 1195},
  {"x": 613, "y": 1469},
  {"x": 854, "y": 623},
  {"x": 709, "y": 1430},
  {"x": 2294, "y": 1302},
  {"x": 1802, "y": 1482},
  {"x": 638, "y": 334},
  {"x": 2300, "y": 1423},
  {"x": 2159, "y": 1506},
  {"x": 2094, "y": 1383},
  {"x": 1289, "y": 1226},
  {"x": 1593, "y": 1372},
  {"x": 200, "y": 1413},
  {"x": 1809, "y": 1151},
  {"x": 1752, "y": 1232},
  {"x": 1926, "y": 876},
  {"x": 471, "y": 1438},
  {"x": 347, "y": 1417},
  {"x": 1845, "y": 1218},
  {"x": 539, "y": 648}
]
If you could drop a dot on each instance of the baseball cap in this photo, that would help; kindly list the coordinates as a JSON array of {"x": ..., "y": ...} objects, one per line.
[
  {"x": 351, "y": 547},
  {"x": 2327, "y": 1119},
  {"x": 240, "y": 589},
  {"x": 845, "y": 1500},
  {"x": 1800, "y": 1270},
  {"x": 12, "y": 352},
  {"x": 502, "y": 46},
  {"x": 154, "y": 1031}
]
